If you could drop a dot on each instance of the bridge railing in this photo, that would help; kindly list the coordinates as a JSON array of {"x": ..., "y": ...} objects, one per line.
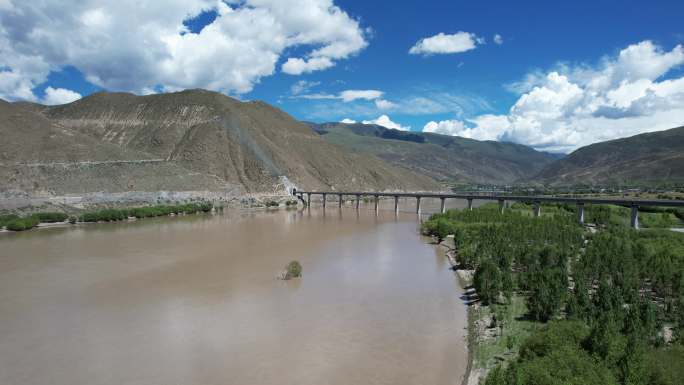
[{"x": 634, "y": 204}]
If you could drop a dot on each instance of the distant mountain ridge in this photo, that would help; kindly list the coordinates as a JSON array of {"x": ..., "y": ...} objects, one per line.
[
  {"x": 195, "y": 140},
  {"x": 650, "y": 158},
  {"x": 189, "y": 140},
  {"x": 442, "y": 157}
]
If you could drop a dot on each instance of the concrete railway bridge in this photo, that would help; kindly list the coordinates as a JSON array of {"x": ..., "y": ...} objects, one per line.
[{"x": 536, "y": 201}]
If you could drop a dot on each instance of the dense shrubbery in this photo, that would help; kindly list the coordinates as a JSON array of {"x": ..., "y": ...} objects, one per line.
[
  {"x": 439, "y": 228},
  {"x": 109, "y": 215},
  {"x": 21, "y": 224},
  {"x": 607, "y": 295},
  {"x": 5, "y": 219},
  {"x": 294, "y": 269},
  {"x": 16, "y": 223},
  {"x": 104, "y": 215},
  {"x": 51, "y": 217}
]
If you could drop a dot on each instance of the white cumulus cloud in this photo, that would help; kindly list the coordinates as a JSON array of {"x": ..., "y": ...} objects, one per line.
[
  {"x": 303, "y": 86},
  {"x": 54, "y": 96},
  {"x": 386, "y": 122},
  {"x": 134, "y": 46},
  {"x": 498, "y": 39},
  {"x": 446, "y": 44},
  {"x": 351, "y": 95},
  {"x": 383, "y": 104},
  {"x": 347, "y": 121},
  {"x": 297, "y": 66},
  {"x": 573, "y": 106},
  {"x": 345, "y": 96},
  {"x": 445, "y": 127}
]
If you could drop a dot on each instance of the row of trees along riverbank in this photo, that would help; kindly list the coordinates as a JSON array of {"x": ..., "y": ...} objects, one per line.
[
  {"x": 16, "y": 223},
  {"x": 568, "y": 304}
]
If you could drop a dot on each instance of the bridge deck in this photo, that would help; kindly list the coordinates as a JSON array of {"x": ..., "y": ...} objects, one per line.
[{"x": 518, "y": 198}]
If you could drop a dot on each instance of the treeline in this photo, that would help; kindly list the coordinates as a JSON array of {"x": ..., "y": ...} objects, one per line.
[
  {"x": 111, "y": 215},
  {"x": 604, "y": 297},
  {"x": 612, "y": 215},
  {"x": 512, "y": 252},
  {"x": 16, "y": 223}
]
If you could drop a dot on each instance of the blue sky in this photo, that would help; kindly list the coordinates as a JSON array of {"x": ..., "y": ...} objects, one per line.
[{"x": 579, "y": 55}]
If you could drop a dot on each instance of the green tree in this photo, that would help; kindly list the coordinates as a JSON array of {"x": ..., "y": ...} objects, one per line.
[
  {"x": 554, "y": 356},
  {"x": 439, "y": 227},
  {"x": 487, "y": 282},
  {"x": 548, "y": 283}
]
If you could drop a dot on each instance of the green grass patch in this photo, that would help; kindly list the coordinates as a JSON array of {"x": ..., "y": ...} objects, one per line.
[{"x": 514, "y": 327}]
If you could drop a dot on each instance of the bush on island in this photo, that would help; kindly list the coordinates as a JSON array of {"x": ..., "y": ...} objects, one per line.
[{"x": 293, "y": 270}]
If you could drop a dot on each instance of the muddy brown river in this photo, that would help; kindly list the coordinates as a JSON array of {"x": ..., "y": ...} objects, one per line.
[{"x": 193, "y": 300}]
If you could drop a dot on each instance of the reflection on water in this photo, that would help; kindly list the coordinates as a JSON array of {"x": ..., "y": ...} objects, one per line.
[{"x": 193, "y": 300}]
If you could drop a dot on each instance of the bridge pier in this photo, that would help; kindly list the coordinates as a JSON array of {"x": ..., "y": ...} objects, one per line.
[
  {"x": 537, "y": 209},
  {"x": 376, "y": 201},
  {"x": 634, "y": 221},
  {"x": 418, "y": 205},
  {"x": 442, "y": 206},
  {"x": 396, "y": 204},
  {"x": 358, "y": 198},
  {"x": 580, "y": 213},
  {"x": 502, "y": 205},
  {"x": 470, "y": 204},
  {"x": 324, "y": 199},
  {"x": 308, "y": 199},
  {"x": 339, "y": 200}
]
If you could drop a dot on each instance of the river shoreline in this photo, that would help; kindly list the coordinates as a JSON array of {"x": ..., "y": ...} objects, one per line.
[
  {"x": 472, "y": 376},
  {"x": 246, "y": 203}
]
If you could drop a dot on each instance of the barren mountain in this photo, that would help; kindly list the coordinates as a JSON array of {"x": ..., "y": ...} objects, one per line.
[
  {"x": 190, "y": 140},
  {"x": 442, "y": 157},
  {"x": 656, "y": 157}
]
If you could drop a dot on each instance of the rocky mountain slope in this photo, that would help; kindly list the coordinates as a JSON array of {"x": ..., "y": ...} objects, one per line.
[
  {"x": 656, "y": 157},
  {"x": 444, "y": 158},
  {"x": 190, "y": 140}
]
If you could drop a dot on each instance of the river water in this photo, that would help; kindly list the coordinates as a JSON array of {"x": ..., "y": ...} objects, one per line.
[{"x": 193, "y": 300}]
